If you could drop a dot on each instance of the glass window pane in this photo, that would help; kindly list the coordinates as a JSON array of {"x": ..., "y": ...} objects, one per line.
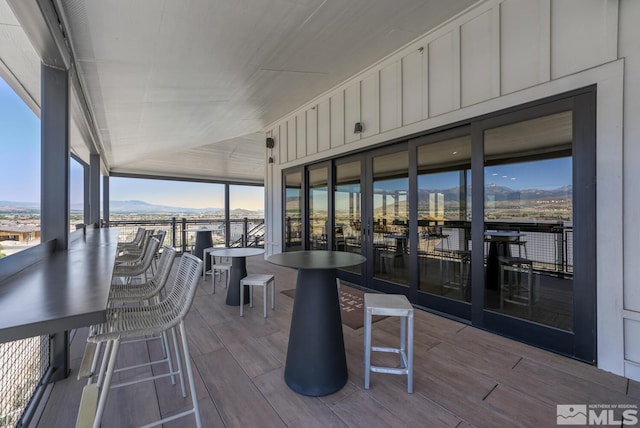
[
  {"x": 318, "y": 208},
  {"x": 293, "y": 212},
  {"x": 246, "y": 202},
  {"x": 391, "y": 217},
  {"x": 528, "y": 212},
  {"x": 444, "y": 218},
  {"x": 347, "y": 209}
]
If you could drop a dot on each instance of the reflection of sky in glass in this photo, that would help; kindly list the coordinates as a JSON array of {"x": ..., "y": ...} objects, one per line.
[
  {"x": 401, "y": 184},
  {"x": 319, "y": 200},
  {"x": 546, "y": 175},
  {"x": 441, "y": 180},
  {"x": 343, "y": 197}
]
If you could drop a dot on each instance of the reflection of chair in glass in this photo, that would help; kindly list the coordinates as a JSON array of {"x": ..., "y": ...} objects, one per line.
[
  {"x": 436, "y": 235},
  {"x": 522, "y": 247},
  {"x": 516, "y": 275},
  {"x": 339, "y": 241},
  {"x": 454, "y": 277},
  {"x": 392, "y": 253}
]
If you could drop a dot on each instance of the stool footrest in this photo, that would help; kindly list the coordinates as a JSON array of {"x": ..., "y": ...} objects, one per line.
[
  {"x": 386, "y": 349},
  {"x": 88, "y": 406},
  {"x": 85, "y": 371},
  {"x": 390, "y": 370}
]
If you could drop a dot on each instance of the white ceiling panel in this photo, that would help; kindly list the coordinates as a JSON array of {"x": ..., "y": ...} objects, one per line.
[
  {"x": 183, "y": 87},
  {"x": 231, "y": 160}
]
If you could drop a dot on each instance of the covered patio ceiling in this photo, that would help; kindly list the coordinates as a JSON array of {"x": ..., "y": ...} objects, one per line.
[{"x": 186, "y": 88}]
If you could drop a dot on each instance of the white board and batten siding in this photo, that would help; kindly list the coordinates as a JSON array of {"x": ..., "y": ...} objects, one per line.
[
  {"x": 496, "y": 48},
  {"x": 497, "y": 54}
]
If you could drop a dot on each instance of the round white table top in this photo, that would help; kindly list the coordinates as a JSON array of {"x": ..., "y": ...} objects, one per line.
[{"x": 236, "y": 252}]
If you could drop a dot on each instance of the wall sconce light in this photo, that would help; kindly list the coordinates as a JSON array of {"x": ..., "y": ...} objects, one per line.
[
  {"x": 358, "y": 128},
  {"x": 271, "y": 160},
  {"x": 270, "y": 143}
]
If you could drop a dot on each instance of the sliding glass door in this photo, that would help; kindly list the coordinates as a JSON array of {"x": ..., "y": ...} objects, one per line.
[
  {"x": 528, "y": 220},
  {"x": 491, "y": 221},
  {"x": 444, "y": 207}
]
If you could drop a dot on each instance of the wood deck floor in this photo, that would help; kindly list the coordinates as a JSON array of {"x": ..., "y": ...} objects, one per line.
[{"x": 463, "y": 376}]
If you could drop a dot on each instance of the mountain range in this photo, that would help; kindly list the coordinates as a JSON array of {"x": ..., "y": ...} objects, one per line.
[
  {"x": 503, "y": 193},
  {"x": 118, "y": 207}
]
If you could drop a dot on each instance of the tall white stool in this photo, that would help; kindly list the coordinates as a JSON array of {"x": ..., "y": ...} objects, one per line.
[
  {"x": 391, "y": 305},
  {"x": 258, "y": 280}
]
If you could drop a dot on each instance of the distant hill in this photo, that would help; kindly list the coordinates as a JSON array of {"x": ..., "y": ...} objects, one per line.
[
  {"x": 142, "y": 207},
  {"x": 503, "y": 193},
  {"x": 126, "y": 207},
  {"x": 13, "y": 207}
]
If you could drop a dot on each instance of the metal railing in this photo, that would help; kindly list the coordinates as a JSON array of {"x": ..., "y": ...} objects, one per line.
[
  {"x": 23, "y": 365},
  {"x": 181, "y": 233}
]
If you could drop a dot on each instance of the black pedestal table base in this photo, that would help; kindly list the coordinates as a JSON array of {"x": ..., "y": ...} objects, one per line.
[
  {"x": 238, "y": 271},
  {"x": 203, "y": 241},
  {"x": 316, "y": 362}
]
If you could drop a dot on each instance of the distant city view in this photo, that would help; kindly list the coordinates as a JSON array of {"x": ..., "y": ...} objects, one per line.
[{"x": 20, "y": 221}]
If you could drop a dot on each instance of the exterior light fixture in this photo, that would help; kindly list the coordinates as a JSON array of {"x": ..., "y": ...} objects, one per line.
[{"x": 358, "y": 128}]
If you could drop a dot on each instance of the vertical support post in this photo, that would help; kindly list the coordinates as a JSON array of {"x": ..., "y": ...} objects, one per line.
[
  {"x": 54, "y": 194},
  {"x": 86, "y": 219},
  {"x": 184, "y": 235},
  {"x": 54, "y": 199},
  {"x": 105, "y": 200},
  {"x": 227, "y": 222},
  {"x": 245, "y": 232},
  {"x": 173, "y": 232},
  {"x": 94, "y": 189}
]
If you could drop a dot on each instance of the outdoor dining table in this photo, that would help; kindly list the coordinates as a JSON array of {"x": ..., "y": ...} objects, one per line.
[
  {"x": 238, "y": 270},
  {"x": 316, "y": 364}
]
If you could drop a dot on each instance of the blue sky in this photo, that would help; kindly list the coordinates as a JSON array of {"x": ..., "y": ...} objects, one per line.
[
  {"x": 20, "y": 148},
  {"x": 20, "y": 171}
]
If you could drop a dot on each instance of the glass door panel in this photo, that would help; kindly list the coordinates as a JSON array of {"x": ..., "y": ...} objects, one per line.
[
  {"x": 347, "y": 210},
  {"x": 293, "y": 211},
  {"x": 444, "y": 218},
  {"x": 528, "y": 212},
  {"x": 390, "y": 216},
  {"x": 318, "y": 208}
]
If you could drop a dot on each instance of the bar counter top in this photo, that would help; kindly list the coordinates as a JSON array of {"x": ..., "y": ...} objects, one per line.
[{"x": 59, "y": 290}]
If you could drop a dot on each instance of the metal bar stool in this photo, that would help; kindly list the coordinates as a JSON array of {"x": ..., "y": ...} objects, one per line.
[
  {"x": 132, "y": 322},
  {"x": 391, "y": 305},
  {"x": 258, "y": 280},
  {"x": 217, "y": 268}
]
